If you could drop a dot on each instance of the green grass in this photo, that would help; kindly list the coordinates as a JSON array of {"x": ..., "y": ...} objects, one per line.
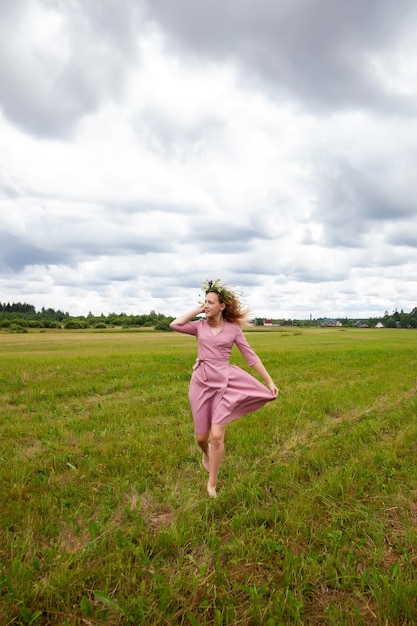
[{"x": 104, "y": 517}]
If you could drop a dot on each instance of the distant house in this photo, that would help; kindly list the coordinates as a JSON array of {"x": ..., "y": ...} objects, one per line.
[
  {"x": 379, "y": 325},
  {"x": 360, "y": 324},
  {"x": 268, "y": 322},
  {"x": 331, "y": 322}
]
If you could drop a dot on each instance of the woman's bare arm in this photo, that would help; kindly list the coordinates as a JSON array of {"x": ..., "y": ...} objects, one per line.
[
  {"x": 187, "y": 317},
  {"x": 261, "y": 370}
]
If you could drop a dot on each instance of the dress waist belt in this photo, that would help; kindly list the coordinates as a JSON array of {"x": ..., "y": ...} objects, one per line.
[{"x": 201, "y": 360}]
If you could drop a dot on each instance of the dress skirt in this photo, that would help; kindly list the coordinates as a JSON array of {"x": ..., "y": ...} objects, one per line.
[
  {"x": 242, "y": 395},
  {"x": 220, "y": 392}
]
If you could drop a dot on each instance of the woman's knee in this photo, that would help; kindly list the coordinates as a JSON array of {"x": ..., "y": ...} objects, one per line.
[
  {"x": 217, "y": 435},
  {"x": 202, "y": 437}
]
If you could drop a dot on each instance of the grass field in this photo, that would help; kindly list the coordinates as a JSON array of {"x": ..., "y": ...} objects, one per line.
[{"x": 104, "y": 512}]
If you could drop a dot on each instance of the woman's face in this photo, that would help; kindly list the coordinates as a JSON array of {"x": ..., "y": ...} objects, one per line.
[{"x": 212, "y": 305}]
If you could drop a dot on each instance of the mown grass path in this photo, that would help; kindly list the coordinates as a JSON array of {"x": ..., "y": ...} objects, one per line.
[{"x": 104, "y": 513}]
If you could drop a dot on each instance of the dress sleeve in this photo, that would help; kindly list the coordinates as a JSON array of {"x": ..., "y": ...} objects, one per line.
[
  {"x": 248, "y": 353},
  {"x": 190, "y": 328}
]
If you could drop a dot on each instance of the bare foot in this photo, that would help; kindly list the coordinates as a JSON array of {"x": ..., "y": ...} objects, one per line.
[
  {"x": 212, "y": 491},
  {"x": 206, "y": 460}
]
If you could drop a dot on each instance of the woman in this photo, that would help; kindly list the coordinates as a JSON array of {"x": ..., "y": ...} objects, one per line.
[{"x": 220, "y": 392}]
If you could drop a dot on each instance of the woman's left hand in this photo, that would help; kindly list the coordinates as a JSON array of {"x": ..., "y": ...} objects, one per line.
[{"x": 274, "y": 389}]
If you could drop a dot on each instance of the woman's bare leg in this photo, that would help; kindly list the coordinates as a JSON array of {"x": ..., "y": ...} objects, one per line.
[
  {"x": 216, "y": 456},
  {"x": 203, "y": 442}
]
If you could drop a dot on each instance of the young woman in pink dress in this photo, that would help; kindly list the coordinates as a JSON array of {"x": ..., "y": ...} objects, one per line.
[{"x": 220, "y": 392}]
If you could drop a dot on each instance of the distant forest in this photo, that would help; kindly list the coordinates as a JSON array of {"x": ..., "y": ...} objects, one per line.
[{"x": 19, "y": 317}]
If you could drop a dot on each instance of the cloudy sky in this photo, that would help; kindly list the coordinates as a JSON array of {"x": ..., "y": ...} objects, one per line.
[{"x": 149, "y": 144}]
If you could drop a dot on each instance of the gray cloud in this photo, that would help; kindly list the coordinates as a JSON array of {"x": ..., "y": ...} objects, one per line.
[
  {"x": 304, "y": 272},
  {"x": 404, "y": 236},
  {"x": 172, "y": 136},
  {"x": 319, "y": 52},
  {"x": 216, "y": 235},
  {"x": 352, "y": 203},
  {"x": 46, "y": 86},
  {"x": 53, "y": 241},
  {"x": 16, "y": 253}
]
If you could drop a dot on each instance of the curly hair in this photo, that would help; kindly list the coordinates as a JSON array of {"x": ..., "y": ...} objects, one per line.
[{"x": 233, "y": 311}]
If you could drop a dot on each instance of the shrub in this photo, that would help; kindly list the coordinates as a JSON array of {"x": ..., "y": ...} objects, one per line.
[
  {"x": 17, "y": 328},
  {"x": 162, "y": 326},
  {"x": 74, "y": 324},
  {"x": 19, "y": 321},
  {"x": 34, "y": 324}
]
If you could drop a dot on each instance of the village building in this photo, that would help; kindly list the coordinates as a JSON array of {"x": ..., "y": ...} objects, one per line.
[{"x": 330, "y": 322}]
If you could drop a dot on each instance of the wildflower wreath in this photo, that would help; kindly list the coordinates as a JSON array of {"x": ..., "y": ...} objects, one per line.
[
  {"x": 217, "y": 287},
  {"x": 234, "y": 311}
]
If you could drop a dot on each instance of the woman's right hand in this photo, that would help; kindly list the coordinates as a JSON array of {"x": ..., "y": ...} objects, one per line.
[{"x": 187, "y": 317}]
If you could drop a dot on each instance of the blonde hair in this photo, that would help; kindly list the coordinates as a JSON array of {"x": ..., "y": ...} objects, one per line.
[{"x": 234, "y": 311}]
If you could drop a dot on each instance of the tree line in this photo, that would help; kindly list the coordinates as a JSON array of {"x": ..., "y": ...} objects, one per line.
[
  {"x": 396, "y": 319},
  {"x": 19, "y": 317}
]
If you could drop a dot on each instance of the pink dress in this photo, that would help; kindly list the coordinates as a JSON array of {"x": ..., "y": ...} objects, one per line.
[{"x": 220, "y": 392}]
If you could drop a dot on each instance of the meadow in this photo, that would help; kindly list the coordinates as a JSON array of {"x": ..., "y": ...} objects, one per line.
[{"x": 104, "y": 512}]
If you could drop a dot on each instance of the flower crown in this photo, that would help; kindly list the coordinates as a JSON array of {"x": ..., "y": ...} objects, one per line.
[{"x": 217, "y": 287}]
